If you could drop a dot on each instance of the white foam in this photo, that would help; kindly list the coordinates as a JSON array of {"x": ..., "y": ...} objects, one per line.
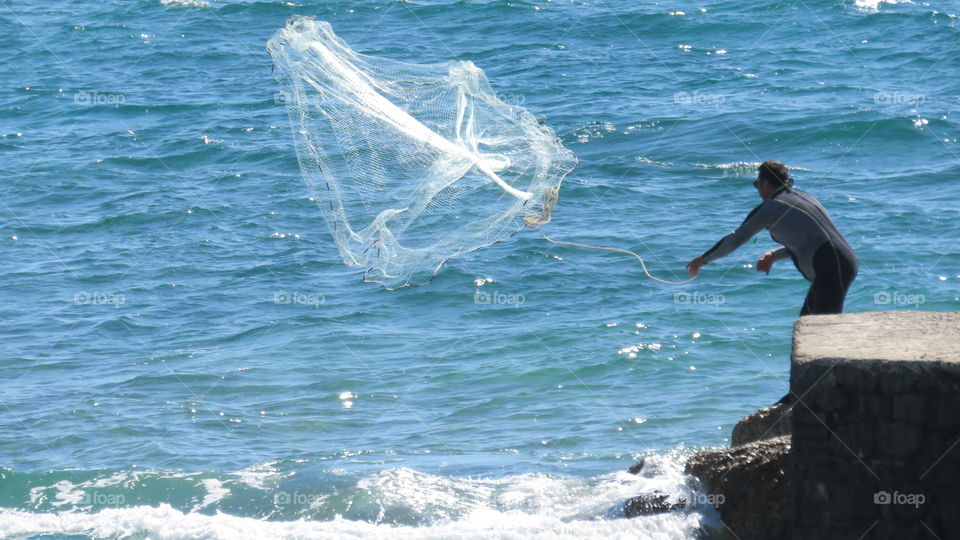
[
  {"x": 642, "y": 159},
  {"x": 215, "y": 492},
  {"x": 185, "y": 3},
  {"x": 739, "y": 168},
  {"x": 521, "y": 506},
  {"x": 166, "y": 523},
  {"x": 426, "y": 494},
  {"x": 67, "y": 493},
  {"x": 259, "y": 476},
  {"x": 874, "y": 5}
]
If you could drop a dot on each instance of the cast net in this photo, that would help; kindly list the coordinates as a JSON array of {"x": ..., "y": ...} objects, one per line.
[{"x": 412, "y": 164}]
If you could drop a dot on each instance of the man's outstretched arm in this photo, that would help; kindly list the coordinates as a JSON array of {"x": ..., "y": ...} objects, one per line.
[{"x": 756, "y": 221}]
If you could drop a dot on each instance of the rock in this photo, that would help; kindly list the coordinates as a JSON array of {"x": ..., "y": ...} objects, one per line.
[
  {"x": 647, "y": 468},
  {"x": 636, "y": 467},
  {"x": 749, "y": 486},
  {"x": 657, "y": 502},
  {"x": 773, "y": 421}
]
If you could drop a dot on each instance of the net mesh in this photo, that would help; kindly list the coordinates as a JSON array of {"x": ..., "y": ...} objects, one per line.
[{"x": 412, "y": 164}]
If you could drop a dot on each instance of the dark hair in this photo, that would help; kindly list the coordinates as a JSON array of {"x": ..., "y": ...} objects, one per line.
[{"x": 776, "y": 173}]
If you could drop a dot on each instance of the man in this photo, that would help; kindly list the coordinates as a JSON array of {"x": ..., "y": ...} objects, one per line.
[{"x": 809, "y": 237}]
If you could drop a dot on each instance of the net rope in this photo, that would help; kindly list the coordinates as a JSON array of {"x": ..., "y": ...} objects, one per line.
[{"x": 534, "y": 220}]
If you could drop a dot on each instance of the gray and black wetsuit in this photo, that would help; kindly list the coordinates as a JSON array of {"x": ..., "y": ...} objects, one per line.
[{"x": 809, "y": 237}]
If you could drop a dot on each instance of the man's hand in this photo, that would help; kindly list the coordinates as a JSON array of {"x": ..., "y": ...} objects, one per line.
[
  {"x": 765, "y": 262},
  {"x": 694, "y": 266}
]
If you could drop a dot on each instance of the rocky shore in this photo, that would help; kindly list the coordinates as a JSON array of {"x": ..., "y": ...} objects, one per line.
[
  {"x": 866, "y": 446},
  {"x": 751, "y": 478}
]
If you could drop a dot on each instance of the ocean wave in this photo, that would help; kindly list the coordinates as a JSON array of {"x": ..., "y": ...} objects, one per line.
[
  {"x": 170, "y": 524},
  {"x": 739, "y": 168},
  {"x": 271, "y": 501}
]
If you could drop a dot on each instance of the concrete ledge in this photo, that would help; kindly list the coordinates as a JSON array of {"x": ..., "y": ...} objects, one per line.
[
  {"x": 876, "y": 425},
  {"x": 892, "y": 336}
]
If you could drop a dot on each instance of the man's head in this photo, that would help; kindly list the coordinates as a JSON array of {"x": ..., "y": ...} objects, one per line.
[{"x": 772, "y": 176}]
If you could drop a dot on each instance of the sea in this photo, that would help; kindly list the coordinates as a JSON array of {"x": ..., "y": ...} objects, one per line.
[{"x": 184, "y": 355}]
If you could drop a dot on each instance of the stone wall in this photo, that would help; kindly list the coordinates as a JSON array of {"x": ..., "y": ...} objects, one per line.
[{"x": 876, "y": 426}]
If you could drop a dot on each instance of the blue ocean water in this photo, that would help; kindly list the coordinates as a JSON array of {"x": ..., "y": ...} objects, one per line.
[{"x": 152, "y": 211}]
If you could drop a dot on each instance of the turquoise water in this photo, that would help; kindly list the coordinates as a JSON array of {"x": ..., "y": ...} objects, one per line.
[{"x": 152, "y": 210}]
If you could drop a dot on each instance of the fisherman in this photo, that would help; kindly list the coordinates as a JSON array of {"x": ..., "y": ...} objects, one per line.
[{"x": 798, "y": 222}]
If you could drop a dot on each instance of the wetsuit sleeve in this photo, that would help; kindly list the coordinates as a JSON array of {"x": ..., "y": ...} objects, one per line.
[
  {"x": 780, "y": 253},
  {"x": 756, "y": 221}
]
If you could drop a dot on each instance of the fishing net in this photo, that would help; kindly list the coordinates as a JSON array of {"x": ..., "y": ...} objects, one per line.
[{"x": 412, "y": 164}]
